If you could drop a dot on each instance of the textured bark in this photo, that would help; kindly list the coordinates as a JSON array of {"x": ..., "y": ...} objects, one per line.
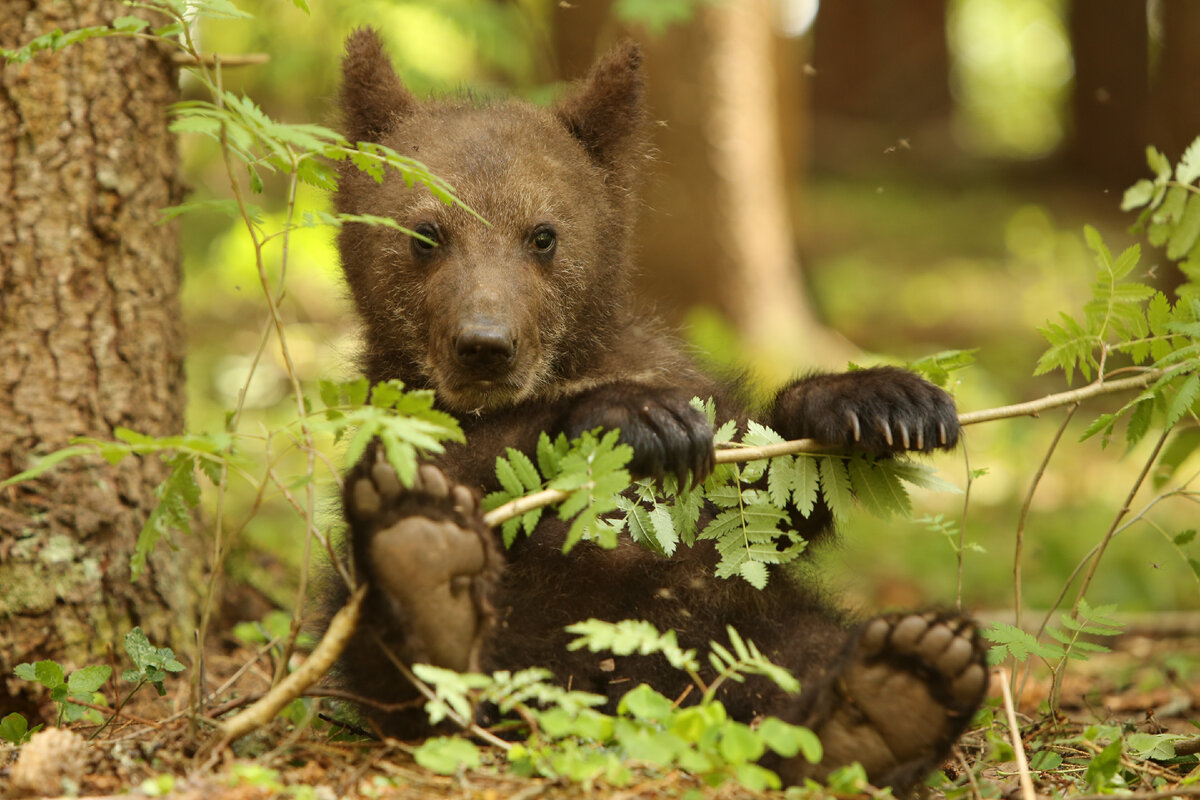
[{"x": 90, "y": 337}]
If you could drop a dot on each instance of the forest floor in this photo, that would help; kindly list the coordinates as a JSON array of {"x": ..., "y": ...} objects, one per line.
[{"x": 1148, "y": 684}]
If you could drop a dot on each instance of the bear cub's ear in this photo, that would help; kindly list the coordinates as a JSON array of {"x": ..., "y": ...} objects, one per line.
[
  {"x": 606, "y": 111},
  {"x": 372, "y": 97}
]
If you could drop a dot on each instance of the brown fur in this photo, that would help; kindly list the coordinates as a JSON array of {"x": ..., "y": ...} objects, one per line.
[{"x": 527, "y": 324}]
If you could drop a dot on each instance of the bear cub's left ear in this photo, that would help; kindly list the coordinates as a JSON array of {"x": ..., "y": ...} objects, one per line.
[
  {"x": 606, "y": 111},
  {"x": 372, "y": 97}
]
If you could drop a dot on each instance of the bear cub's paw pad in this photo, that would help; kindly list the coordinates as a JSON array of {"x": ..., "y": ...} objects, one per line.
[
  {"x": 909, "y": 688},
  {"x": 425, "y": 552}
]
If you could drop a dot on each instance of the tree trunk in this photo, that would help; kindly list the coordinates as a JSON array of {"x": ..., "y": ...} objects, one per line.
[
  {"x": 716, "y": 228},
  {"x": 1175, "y": 92},
  {"x": 90, "y": 338},
  {"x": 1109, "y": 101},
  {"x": 882, "y": 84}
]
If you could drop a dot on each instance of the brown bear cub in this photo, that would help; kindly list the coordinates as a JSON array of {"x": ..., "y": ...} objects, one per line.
[{"x": 527, "y": 323}]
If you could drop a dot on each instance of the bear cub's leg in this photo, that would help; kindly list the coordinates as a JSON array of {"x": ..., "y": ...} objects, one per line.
[
  {"x": 428, "y": 558},
  {"x": 905, "y": 689}
]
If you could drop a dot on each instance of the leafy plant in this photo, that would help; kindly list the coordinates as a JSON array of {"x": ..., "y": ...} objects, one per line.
[
  {"x": 74, "y": 693},
  {"x": 569, "y": 738},
  {"x": 15, "y": 730},
  {"x": 750, "y": 500}
]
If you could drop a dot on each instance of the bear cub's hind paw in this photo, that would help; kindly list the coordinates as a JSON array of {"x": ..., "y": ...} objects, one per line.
[
  {"x": 907, "y": 688},
  {"x": 428, "y": 557}
]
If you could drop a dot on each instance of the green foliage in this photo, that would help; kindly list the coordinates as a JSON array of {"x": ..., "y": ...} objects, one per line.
[
  {"x": 1068, "y": 642},
  {"x": 1132, "y": 320},
  {"x": 656, "y": 16},
  {"x": 404, "y": 423},
  {"x": 751, "y": 521},
  {"x": 448, "y": 755},
  {"x": 631, "y": 636},
  {"x": 15, "y": 730},
  {"x": 69, "y": 692},
  {"x": 151, "y": 664},
  {"x": 590, "y": 470},
  {"x": 570, "y": 739}
]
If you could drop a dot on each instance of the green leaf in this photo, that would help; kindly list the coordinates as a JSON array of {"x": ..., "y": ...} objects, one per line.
[
  {"x": 878, "y": 489},
  {"x": 447, "y": 755},
  {"x": 15, "y": 730},
  {"x": 1184, "y": 538},
  {"x": 739, "y": 744},
  {"x": 46, "y": 463},
  {"x": 48, "y": 673},
  {"x": 1103, "y": 766},
  {"x": 1138, "y": 195},
  {"x": 89, "y": 679},
  {"x": 646, "y": 704},
  {"x": 1188, "y": 168},
  {"x": 1184, "y": 399},
  {"x": 790, "y": 740},
  {"x": 835, "y": 486},
  {"x": 1185, "y": 235}
]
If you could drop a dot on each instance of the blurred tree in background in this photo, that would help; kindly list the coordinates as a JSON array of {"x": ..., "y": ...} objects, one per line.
[{"x": 91, "y": 339}]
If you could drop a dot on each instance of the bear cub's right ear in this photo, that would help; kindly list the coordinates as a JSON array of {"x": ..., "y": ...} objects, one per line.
[{"x": 372, "y": 97}]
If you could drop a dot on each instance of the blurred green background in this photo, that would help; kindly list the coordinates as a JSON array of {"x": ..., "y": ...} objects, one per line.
[{"x": 936, "y": 161}]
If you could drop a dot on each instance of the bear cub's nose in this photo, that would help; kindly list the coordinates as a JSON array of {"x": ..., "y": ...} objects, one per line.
[{"x": 485, "y": 346}]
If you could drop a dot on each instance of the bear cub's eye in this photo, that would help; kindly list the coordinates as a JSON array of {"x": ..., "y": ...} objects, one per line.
[
  {"x": 431, "y": 232},
  {"x": 543, "y": 240}
]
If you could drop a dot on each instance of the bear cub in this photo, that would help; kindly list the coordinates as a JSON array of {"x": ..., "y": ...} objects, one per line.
[{"x": 527, "y": 323}]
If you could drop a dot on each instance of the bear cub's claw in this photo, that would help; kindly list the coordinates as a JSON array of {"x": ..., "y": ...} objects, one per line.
[
  {"x": 668, "y": 435},
  {"x": 907, "y": 688},
  {"x": 427, "y": 555},
  {"x": 882, "y": 410}
]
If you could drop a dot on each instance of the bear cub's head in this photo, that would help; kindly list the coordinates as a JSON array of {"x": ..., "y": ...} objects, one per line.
[{"x": 491, "y": 313}]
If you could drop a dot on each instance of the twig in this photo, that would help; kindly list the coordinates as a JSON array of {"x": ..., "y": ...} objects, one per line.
[
  {"x": 1014, "y": 734},
  {"x": 1121, "y": 512},
  {"x": 212, "y": 59},
  {"x": 337, "y": 636},
  {"x": 1035, "y": 407},
  {"x": 738, "y": 454}
]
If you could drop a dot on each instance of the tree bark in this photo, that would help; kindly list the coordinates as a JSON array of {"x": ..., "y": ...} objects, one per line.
[{"x": 90, "y": 338}]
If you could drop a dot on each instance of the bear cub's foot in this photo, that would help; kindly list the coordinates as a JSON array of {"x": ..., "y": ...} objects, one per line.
[
  {"x": 428, "y": 558},
  {"x": 907, "y": 687}
]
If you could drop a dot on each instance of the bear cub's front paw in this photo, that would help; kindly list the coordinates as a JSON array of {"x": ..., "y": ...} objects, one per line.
[
  {"x": 427, "y": 555},
  {"x": 668, "y": 435},
  {"x": 882, "y": 410}
]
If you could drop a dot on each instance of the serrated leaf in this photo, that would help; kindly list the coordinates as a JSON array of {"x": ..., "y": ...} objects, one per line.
[
  {"x": 1184, "y": 399},
  {"x": 835, "y": 486},
  {"x": 878, "y": 489},
  {"x": 508, "y": 477},
  {"x": 1187, "y": 231},
  {"x": 524, "y": 470},
  {"x": 1188, "y": 168},
  {"x": 781, "y": 480},
  {"x": 1184, "y": 538}
]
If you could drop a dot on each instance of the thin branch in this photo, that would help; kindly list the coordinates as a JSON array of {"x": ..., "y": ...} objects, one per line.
[
  {"x": 1035, "y": 407},
  {"x": 327, "y": 651},
  {"x": 737, "y": 454},
  {"x": 1014, "y": 734},
  {"x": 1121, "y": 513}
]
